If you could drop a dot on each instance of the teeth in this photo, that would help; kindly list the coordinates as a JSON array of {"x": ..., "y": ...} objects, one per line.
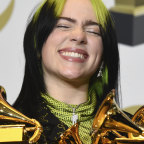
[{"x": 73, "y": 54}]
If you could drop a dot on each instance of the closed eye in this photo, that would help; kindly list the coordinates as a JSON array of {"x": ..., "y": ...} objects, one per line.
[
  {"x": 93, "y": 32},
  {"x": 63, "y": 26}
]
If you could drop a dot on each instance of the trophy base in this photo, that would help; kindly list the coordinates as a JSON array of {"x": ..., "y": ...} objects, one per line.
[
  {"x": 20, "y": 142},
  {"x": 129, "y": 28},
  {"x": 129, "y": 141},
  {"x": 12, "y": 134}
]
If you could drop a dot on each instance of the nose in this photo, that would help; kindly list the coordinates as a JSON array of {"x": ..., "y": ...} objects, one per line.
[{"x": 78, "y": 36}]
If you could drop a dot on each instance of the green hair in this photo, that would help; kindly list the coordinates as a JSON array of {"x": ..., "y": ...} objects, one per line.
[
  {"x": 98, "y": 6},
  {"x": 100, "y": 82},
  {"x": 101, "y": 12},
  {"x": 36, "y": 15},
  {"x": 59, "y": 5}
]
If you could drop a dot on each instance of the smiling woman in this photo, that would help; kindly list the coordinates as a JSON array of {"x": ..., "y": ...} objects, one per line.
[
  {"x": 68, "y": 44},
  {"x": 73, "y": 50}
]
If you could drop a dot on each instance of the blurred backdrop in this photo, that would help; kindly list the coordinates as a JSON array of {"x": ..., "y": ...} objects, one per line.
[{"x": 13, "y": 21}]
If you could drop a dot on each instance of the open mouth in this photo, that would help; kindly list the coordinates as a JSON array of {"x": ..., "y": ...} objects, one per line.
[{"x": 73, "y": 55}]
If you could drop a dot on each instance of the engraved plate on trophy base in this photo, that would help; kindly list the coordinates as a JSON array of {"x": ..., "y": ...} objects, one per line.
[
  {"x": 130, "y": 2},
  {"x": 11, "y": 133}
]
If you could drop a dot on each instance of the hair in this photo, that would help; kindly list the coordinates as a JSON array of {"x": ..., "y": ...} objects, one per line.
[{"x": 39, "y": 27}]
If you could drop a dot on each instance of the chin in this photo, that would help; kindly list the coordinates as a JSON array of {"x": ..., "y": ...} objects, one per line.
[
  {"x": 76, "y": 77},
  {"x": 71, "y": 75}
]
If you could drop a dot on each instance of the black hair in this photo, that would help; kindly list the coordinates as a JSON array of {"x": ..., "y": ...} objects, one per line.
[{"x": 35, "y": 35}]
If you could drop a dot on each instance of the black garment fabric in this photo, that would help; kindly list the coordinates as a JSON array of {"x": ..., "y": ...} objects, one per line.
[{"x": 52, "y": 126}]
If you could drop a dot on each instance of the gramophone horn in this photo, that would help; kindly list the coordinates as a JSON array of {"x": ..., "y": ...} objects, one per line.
[
  {"x": 138, "y": 119},
  {"x": 110, "y": 117},
  {"x": 70, "y": 136},
  {"x": 8, "y": 113}
]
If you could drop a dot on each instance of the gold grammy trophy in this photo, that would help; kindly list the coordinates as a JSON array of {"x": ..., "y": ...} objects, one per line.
[
  {"x": 108, "y": 125},
  {"x": 129, "y": 21},
  {"x": 14, "y": 126}
]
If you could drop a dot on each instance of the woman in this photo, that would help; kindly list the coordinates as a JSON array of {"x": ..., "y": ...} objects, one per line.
[{"x": 72, "y": 62}]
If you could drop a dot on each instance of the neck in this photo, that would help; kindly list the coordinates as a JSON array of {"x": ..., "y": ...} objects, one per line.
[{"x": 69, "y": 92}]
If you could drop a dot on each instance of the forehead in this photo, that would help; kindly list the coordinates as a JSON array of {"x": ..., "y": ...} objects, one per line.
[{"x": 79, "y": 9}]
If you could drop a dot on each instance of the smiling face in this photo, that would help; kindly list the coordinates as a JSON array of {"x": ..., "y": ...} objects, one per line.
[{"x": 74, "y": 48}]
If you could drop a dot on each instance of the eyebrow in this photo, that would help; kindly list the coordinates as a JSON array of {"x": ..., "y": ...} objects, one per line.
[
  {"x": 86, "y": 23},
  {"x": 67, "y": 19},
  {"x": 90, "y": 22}
]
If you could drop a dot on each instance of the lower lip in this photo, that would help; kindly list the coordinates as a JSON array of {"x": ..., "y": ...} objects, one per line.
[{"x": 73, "y": 59}]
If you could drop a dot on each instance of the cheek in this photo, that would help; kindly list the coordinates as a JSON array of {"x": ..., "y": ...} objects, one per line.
[
  {"x": 56, "y": 38},
  {"x": 48, "y": 51},
  {"x": 45, "y": 56},
  {"x": 96, "y": 47},
  {"x": 50, "y": 47},
  {"x": 96, "y": 54}
]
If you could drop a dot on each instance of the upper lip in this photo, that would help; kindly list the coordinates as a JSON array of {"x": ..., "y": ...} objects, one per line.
[{"x": 76, "y": 50}]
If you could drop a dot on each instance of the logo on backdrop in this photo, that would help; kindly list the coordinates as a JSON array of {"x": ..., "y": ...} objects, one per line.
[{"x": 6, "y": 14}]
